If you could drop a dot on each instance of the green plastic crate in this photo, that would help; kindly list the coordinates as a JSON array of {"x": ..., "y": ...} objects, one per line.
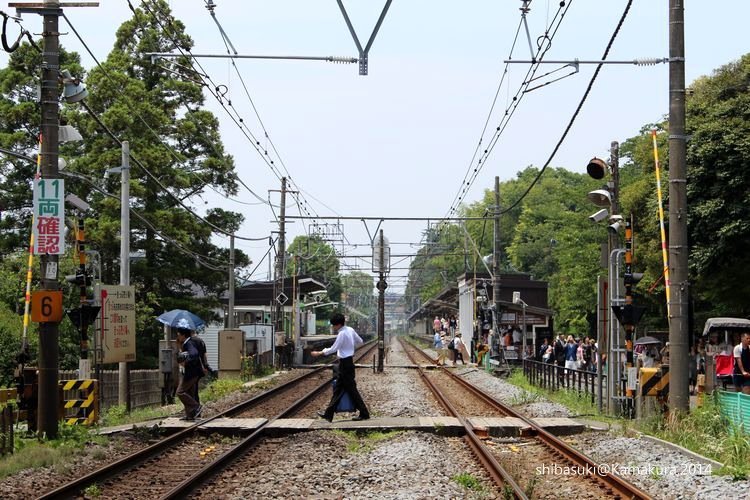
[{"x": 736, "y": 407}]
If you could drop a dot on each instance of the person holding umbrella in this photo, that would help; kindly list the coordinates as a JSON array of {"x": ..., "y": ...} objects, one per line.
[{"x": 190, "y": 358}]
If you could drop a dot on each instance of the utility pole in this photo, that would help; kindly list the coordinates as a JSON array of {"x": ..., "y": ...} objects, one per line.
[
  {"x": 496, "y": 261},
  {"x": 382, "y": 285},
  {"x": 123, "y": 393},
  {"x": 612, "y": 345},
  {"x": 49, "y": 332},
  {"x": 279, "y": 319},
  {"x": 679, "y": 399},
  {"x": 230, "y": 306}
]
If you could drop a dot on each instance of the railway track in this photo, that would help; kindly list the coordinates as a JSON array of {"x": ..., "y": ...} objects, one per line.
[
  {"x": 182, "y": 462},
  {"x": 542, "y": 447}
]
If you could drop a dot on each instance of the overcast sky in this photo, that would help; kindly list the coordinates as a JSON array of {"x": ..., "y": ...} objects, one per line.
[{"x": 399, "y": 142}]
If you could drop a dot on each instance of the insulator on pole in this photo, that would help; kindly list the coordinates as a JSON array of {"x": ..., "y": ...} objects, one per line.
[
  {"x": 342, "y": 60},
  {"x": 650, "y": 61}
]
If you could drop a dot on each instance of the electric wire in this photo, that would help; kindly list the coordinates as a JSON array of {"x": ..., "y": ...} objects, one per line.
[
  {"x": 227, "y": 44},
  {"x": 577, "y": 111},
  {"x": 171, "y": 150},
  {"x": 104, "y": 127},
  {"x": 199, "y": 257},
  {"x": 544, "y": 43}
]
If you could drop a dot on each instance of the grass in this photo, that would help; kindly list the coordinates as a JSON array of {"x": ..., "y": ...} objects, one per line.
[
  {"x": 363, "y": 442},
  {"x": 577, "y": 403},
  {"x": 220, "y": 388},
  {"x": 32, "y": 453},
  {"x": 215, "y": 390},
  {"x": 117, "y": 415},
  {"x": 706, "y": 432},
  {"x": 468, "y": 481},
  {"x": 73, "y": 440}
]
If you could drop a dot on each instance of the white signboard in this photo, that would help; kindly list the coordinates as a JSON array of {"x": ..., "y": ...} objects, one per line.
[
  {"x": 49, "y": 217},
  {"x": 117, "y": 324},
  {"x": 381, "y": 252}
]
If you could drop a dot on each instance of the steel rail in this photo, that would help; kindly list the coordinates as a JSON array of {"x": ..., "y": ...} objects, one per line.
[
  {"x": 73, "y": 488},
  {"x": 224, "y": 460},
  {"x": 496, "y": 471},
  {"x": 614, "y": 484}
]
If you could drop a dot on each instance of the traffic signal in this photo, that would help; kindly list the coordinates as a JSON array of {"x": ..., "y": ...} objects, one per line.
[
  {"x": 79, "y": 279},
  {"x": 632, "y": 279}
]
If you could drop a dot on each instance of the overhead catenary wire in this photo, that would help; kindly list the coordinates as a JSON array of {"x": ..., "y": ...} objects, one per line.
[
  {"x": 171, "y": 150},
  {"x": 234, "y": 115},
  {"x": 200, "y": 258},
  {"x": 576, "y": 112},
  {"x": 544, "y": 43},
  {"x": 210, "y": 6},
  {"x": 158, "y": 182}
]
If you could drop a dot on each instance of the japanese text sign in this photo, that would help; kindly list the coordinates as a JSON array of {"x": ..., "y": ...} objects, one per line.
[
  {"x": 117, "y": 324},
  {"x": 49, "y": 216}
]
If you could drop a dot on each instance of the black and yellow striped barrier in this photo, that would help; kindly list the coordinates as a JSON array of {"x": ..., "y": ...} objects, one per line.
[
  {"x": 654, "y": 381},
  {"x": 86, "y": 406},
  {"x": 650, "y": 379},
  {"x": 664, "y": 383}
]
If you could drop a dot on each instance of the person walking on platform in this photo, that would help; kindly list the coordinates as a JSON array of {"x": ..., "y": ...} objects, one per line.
[
  {"x": 459, "y": 349},
  {"x": 346, "y": 341},
  {"x": 189, "y": 357},
  {"x": 442, "y": 350}
]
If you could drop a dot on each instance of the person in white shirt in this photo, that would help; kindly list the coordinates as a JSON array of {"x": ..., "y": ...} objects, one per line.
[{"x": 346, "y": 342}]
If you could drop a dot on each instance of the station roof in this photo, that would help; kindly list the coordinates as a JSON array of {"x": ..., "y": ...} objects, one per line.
[
  {"x": 261, "y": 293},
  {"x": 533, "y": 292}
]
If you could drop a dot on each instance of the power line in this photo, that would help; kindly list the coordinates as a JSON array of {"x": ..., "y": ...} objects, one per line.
[
  {"x": 578, "y": 109},
  {"x": 167, "y": 239},
  {"x": 157, "y": 181},
  {"x": 171, "y": 150}
]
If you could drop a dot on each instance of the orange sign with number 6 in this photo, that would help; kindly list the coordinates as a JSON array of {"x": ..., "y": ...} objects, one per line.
[{"x": 46, "y": 306}]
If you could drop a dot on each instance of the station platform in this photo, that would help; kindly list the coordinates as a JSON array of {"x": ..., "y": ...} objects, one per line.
[{"x": 495, "y": 426}]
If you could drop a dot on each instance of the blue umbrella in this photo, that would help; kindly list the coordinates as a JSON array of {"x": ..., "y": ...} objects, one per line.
[{"x": 180, "y": 318}]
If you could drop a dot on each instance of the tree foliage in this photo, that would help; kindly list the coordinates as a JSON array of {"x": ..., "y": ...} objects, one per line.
[
  {"x": 718, "y": 112},
  {"x": 176, "y": 158},
  {"x": 312, "y": 256}
]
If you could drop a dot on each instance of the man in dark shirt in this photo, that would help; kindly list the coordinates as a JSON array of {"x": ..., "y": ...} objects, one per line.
[{"x": 189, "y": 358}]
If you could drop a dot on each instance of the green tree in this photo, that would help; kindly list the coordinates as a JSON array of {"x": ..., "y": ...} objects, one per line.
[
  {"x": 157, "y": 107},
  {"x": 718, "y": 189},
  {"x": 312, "y": 256},
  {"x": 358, "y": 290}
]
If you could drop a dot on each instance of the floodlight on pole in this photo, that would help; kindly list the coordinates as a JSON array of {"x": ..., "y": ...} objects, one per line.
[
  {"x": 74, "y": 90},
  {"x": 68, "y": 133},
  {"x": 596, "y": 168},
  {"x": 600, "y": 197},
  {"x": 599, "y": 215}
]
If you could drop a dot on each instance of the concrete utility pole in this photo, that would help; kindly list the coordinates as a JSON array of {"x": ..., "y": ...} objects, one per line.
[
  {"x": 382, "y": 285},
  {"x": 679, "y": 399},
  {"x": 496, "y": 261},
  {"x": 279, "y": 319},
  {"x": 49, "y": 332},
  {"x": 123, "y": 373},
  {"x": 230, "y": 305}
]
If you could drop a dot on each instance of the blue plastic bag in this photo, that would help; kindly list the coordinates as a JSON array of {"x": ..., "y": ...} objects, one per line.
[{"x": 345, "y": 403}]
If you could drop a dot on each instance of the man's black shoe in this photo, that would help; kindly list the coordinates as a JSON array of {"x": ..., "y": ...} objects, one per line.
[
  {"x": 361, "y": 417},
  {"x": 198, "y": 411},
  {"x": 322, "y": 415}
]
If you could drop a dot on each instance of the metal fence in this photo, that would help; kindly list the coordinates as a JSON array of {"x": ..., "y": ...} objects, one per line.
[
  {"x": 736, "y": 407},
  {"x": 144, "y": 388},
  {"x": 554, "y": 377}
]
